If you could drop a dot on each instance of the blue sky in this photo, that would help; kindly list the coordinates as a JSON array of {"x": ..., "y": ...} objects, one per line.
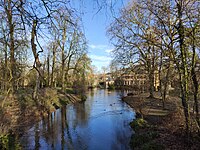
[{"x": 95, "y": 25}]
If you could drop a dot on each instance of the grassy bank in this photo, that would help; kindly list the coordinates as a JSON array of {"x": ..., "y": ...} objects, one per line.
[
  {"x": 18, "y": 112},
  {"x": 157, "y": 128}
]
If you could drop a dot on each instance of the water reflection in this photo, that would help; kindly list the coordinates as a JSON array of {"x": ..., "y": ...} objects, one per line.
[{"x": 101, "y": 122}]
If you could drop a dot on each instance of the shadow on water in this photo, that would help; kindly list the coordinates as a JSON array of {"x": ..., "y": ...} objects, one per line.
[{"x": 101, "y": 122}]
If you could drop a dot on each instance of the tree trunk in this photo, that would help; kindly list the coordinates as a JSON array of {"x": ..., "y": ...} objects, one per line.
[
  {"x": 5, "y": 68},
  {"x": 150, "y": 65},
  {"x": 194, "y": 79},
  {"x": 165, "y": 93},
  {"x": 11, "y": 46},
  {"x": 151, "y": 84},
  {"x": 48, "y": 71},
  {"x": 37, "y": 61},
  {"x": 53, "y": 66},
  {"x": 63, "y": 72},
  {"x": 183, "y": 69},
  {"x": 63, "y": 59},
  {"x": 196, "y": 88}
]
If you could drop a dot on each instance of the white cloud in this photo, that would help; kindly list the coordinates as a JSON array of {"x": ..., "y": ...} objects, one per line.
[
  {"x": 105, "y": 48},
  {"x": 98, "y": 46},
  {"x": 99, "y": 54},
  {"x": 108, "y": 51},
  {"x": 100, "y": 58}
]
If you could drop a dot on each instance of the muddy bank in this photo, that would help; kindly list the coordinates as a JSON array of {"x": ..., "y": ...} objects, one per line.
[
  {"x": 158, "y": 128},
  {"x": 20, "y": 111}
]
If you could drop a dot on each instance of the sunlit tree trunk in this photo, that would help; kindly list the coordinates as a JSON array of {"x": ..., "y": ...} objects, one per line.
[
  {"x": 151, "y": 83},
  {"x": 166, "y": 83},
  {"x": 37, "y": 61},
  {"x": 63, "y": 71},
  {"x": 151, "y": 70},
  {"x": 53, "y": 66},
  {"x": 48, "y": 70},
  {"x": 63, "y": 57}
]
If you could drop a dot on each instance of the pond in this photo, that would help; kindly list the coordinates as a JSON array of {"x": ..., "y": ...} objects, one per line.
[{"x": 99, "y": 123}]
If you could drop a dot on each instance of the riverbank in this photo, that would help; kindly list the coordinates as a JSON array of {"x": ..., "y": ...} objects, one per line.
[
  {"x": 158, "y": 128},
  {"x": 19, "y": 111},
  {"x": 99, "y": 122}
]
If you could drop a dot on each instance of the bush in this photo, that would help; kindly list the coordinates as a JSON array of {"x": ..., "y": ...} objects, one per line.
[
  {"x": 9, "y": 141},
  {"x": 138, "y": 124},
  {"x": 111, "y": 86},
  {"x": 83, "y": 97},
  {"x": 3, "y": 141}
]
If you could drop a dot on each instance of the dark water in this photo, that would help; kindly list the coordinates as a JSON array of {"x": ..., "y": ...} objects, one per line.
[{"x": 100, "y": 123}]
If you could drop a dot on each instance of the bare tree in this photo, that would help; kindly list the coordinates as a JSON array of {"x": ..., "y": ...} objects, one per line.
[
  {"x": 164, "y": 26},
  {"x": 134, "y": 34}
]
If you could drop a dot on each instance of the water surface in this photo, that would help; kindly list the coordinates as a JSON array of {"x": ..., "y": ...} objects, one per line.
[{"x": 99, "y": 123}]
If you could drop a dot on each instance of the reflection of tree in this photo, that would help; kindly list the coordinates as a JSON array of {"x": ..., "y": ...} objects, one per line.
[
  {"x": 63, "y": 118},
  {"x": 37, "y": 137},
  {"x": 72, "y": 127},
  {"x": 81, "y": 113},
  {"x": 49, "y": 128},
  {"x": 66, "y": 126}
]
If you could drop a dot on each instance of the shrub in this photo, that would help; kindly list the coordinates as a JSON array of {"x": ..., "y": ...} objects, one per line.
[
  {"x": 138, "y": 124},
  {"x": 111, "y": 86},
  {"x": 9, "y": 141}
]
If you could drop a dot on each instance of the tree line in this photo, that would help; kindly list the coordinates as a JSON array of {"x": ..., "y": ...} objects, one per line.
[
  {"x": 162, "y": 36},
  {"x": 42, "y": 44}
]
